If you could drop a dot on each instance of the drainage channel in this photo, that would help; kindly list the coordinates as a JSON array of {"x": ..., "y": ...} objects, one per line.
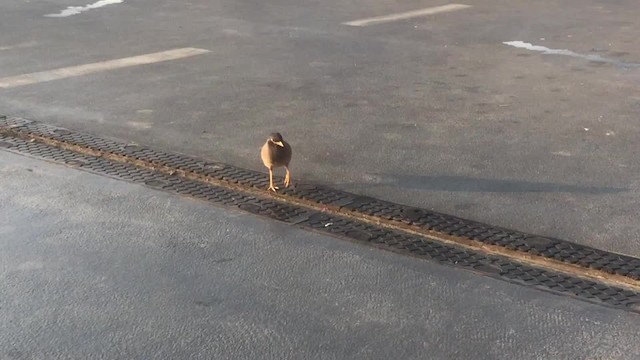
[{"x": 551, "y": 265}]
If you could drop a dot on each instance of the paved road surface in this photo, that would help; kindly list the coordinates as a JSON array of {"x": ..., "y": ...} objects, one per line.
[
  {"x": 96, "y": 268},
  {"x": 433, "y": 111}
]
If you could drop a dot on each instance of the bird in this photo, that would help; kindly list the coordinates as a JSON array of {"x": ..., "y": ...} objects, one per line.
[{"x": 276, "y": 153}]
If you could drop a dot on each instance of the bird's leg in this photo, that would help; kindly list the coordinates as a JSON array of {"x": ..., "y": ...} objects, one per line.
[
  {"x": 287, "y": 177},
  {"x": 271, "y": 187}
]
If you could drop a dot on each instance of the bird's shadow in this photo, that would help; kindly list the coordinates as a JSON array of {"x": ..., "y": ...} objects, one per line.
[{"x": 473, "y": 184}]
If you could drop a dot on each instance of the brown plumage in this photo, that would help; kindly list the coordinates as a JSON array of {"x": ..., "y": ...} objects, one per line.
[{"x": 276, "y": 153}]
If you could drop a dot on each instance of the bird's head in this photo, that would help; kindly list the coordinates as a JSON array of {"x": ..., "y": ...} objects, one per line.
[{"x": 276, "y": 138}]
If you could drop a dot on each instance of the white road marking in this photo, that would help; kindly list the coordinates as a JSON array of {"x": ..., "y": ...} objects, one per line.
[
  {"x": 18, "y": 46},
  {"x": 407, "y": 15},
  {"x": 75, "y": 10},
  {"x": 73, "y": 71},
  {"x": 565, "y": 52}
]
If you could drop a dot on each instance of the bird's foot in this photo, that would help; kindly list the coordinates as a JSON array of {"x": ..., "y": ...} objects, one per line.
[
  {"x": 287, "y": 179},
  {"x": 273, "y": 188}
]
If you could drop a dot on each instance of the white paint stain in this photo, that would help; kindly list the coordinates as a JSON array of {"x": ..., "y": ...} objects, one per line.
[
  {"x": 142, "y": 120},
  {"x": 30, "y": 265},
  {"x": 139, "y": 125},
  {"x": 18, "y": 46},
  {"x": 233, "y": 32},
  {"x": 75, "y": 10},
  {"x": 547, "y": 51},
  {"x": 372, "y": 179},
  {"x": 562, "y": 153}
]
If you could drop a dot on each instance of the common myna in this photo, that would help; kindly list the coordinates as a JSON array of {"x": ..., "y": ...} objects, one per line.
[{"x": 276, "y": 153}]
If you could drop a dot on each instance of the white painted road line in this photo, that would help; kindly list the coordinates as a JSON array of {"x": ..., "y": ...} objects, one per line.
[
  {"x": 19, "y": 46},
  {"x": 73, "y": 71},
  {"x": 75, "y": 10},
  {"x": 565, "y": 52},
  {"x": 407, "y": 15}
]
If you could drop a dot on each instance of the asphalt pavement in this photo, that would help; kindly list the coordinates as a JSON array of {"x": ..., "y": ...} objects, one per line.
[
  {"x": 435, "y": 111},
  {"x": 93, "y": 267}
]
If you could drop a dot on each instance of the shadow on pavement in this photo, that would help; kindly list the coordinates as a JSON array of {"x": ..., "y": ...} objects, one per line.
[{"x": 472, "y": 184}]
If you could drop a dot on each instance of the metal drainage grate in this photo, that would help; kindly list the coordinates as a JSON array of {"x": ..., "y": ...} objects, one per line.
[
  {"x": 420, "y": 219},
  {"x": 395, "y": 240}
]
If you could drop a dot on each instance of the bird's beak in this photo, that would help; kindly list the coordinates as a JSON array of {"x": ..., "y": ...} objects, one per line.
[{"x": 279, "y": 143}]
